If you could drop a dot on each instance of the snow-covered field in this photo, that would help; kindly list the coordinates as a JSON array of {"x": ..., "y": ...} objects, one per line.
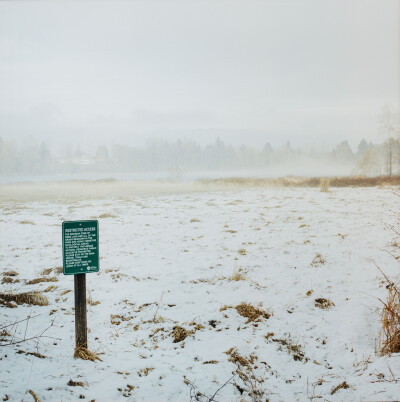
[{"x": 188, "y": 260}]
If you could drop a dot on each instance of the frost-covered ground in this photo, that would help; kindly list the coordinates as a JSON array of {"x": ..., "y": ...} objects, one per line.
[{"x": 171, "y": 260}]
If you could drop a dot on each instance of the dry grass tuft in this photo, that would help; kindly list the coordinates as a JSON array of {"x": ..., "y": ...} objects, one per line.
[
  {"x": 35, "y": 396},
  {"x": 43, "y": 279},
  {"x": 10, "y": 273},
  {"x": 323, "y": 303},
  {"x": 309, "y": 292},
  {"x": 145, "y": 372},
  {"x": 102, "y": 216},
  {"x": 58, "y": 270},
  {"x": 85, "y": 354},
  {"x": 237, "y": 276},
  {"x": 8, "y": 279},
  {"x": 50, "y": 288},
  {"x": 47, "y": 271},
  {"x": 250, "y": 312},
  {"x": 180, "y": 334},
  {"x": 211, "y": 362},
  {"x": 92, "y": 302},
  {"x": 73, "y": 383},
  {"x": 343, "y": 385},
  {"x": 242, "y": 251},
  {"x": 324, "y": 185},
  {"x": 31, "y": 298},
  {"x": 317, "y": 261},
  {"x": 236, "y": 358},
  {"x": 193, "y": 220},
  {"x": 27, "y": 223},
  {"x": 390, "y": 336}
]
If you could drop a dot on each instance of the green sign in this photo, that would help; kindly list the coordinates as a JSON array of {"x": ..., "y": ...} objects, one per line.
[{"x": 80, "y": 241}]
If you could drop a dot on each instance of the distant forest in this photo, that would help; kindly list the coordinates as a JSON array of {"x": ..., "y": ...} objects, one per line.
[{"x": 183, "y": 155}]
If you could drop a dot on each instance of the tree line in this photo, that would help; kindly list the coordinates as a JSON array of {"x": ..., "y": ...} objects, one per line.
[{"x": 34, "y": 157}]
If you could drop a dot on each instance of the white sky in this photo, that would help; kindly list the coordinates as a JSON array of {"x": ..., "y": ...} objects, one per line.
[{"x": 248, "y": 71}]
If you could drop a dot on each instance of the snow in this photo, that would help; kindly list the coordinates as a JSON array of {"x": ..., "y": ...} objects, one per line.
[{"x": 168, "y": 259}]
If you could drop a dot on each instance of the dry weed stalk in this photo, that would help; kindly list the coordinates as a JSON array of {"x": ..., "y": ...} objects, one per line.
[{"x": 35, "y": 397}]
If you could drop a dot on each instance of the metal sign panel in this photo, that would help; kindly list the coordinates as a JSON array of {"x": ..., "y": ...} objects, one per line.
[{"x": 80, "y": 241}]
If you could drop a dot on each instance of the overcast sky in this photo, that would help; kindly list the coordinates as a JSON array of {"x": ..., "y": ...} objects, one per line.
[{"x": 307, "y": 71}]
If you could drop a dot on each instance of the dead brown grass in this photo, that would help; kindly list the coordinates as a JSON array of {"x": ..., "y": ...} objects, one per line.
[
  {"x": 8, "y": 279},
  {"x": 85, "y": 354},
  {"x": 343, "y": 385},
  {"x": 390, "y": 336},
  {"x": 10, "y": 273},
  {"x": 323, "y": 303},
  {"x": 317, "y": 261},
  {"x": 73, "y": 383},
  {"x": 344, "y": 181},
  {"x": 35, "y": 396},
  {"x": 42, "y": 279},
  {"x": 180, "y": 334},
  {"x": 31, "y": 298},
  {"x": 250, "y": 312},
  {"x": 47, "y": 271}
]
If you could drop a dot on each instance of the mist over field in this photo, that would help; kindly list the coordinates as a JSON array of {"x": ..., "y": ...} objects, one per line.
[{"x": 199, "y": 200}]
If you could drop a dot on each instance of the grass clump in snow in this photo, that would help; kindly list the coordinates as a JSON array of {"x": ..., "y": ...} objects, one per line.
[
  {"x": 83, "y": 353},
  {"x": 10, "y": 273},
  {"x": 390, "y": 335},
  {"x": 249, "y": 311},
  {"x": 8, "y": 279},
  {"x": 31, "y": 298},
  {"x": 242, "y": 251},
  {"x": 317, "y": 261},
  {"x": 180, "y": 334},
  {"x": 323, "y": 303},
  {"x": 237, "y": 275},
  {"x": 42, "y": 279}
]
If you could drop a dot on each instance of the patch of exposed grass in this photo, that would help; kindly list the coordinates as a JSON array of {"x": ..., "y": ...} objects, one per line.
[
  {"x": 242, "y": 251},
  {"x": 10, "y": 273},
  {"x": 145, "y": 372},
  {"x": 47, "y": 271},
  {"x": 27, "y": 223},
  {"x": 42, "y": 279},
  {"x": 8, "y": 279},
  {"x": 180, "y": 334},
  {"x": 317, "y": 261},
  {"x": 250, "y": 312},
  {"x": 193, "y": 220},
  {"x": 31, "y": 298},
  {"x": 390, "y": 336},
  {"x": 323, "y": 303}
]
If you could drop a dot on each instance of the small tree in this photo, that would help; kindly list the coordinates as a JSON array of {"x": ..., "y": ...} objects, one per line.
[{"x": 388, "y": 126}]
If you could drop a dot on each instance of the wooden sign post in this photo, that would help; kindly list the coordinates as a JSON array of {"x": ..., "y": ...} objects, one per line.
[{"x": 80, "y": 256}]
